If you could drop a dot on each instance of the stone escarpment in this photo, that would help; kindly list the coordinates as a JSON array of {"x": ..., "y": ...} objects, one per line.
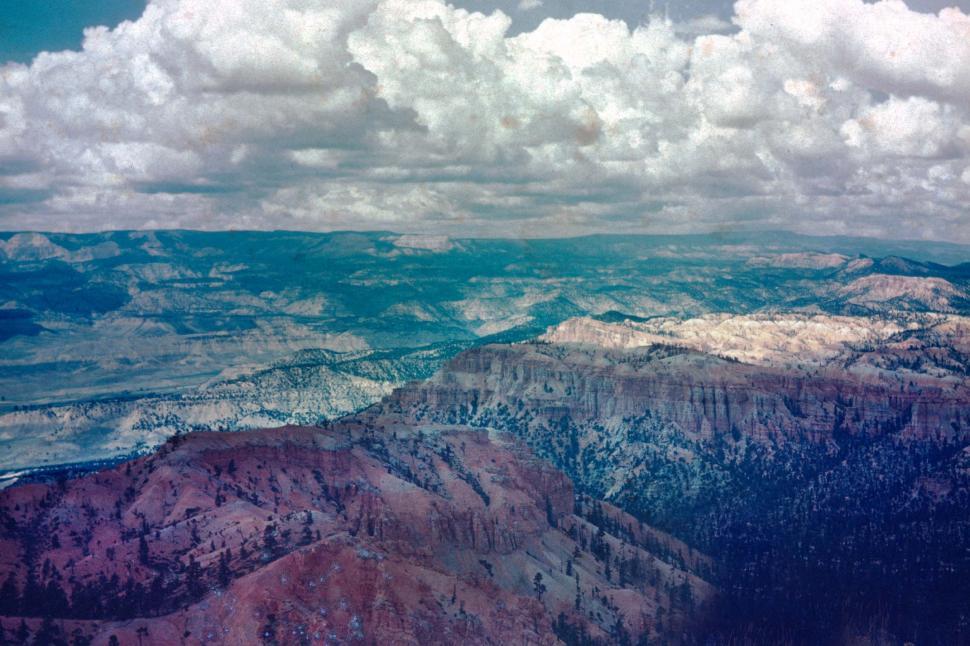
[
  {"x": 703, "y": 396},
  {"x": 821, "y": 488}
]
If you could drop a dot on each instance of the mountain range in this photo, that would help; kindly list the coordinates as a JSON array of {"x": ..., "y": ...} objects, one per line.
[{"x": 113, "y": 342}]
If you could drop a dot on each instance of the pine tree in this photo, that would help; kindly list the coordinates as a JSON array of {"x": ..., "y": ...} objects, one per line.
[
  {"x": 193, "y": 578},
  {"x": 143, "y": 556},
  {"x": 48, "y": 632},
  {"x": 619, "y": 634},
  {"x": 550, "y": 513},
  {"x": 79, "y": 638},
  {"x": 538, "y": 586},
  {"x": 225, "y": 574},
  {"x": 156, "y": 594},
  {"x": 9, "y": 596},
  {"x": 32, "y": 591},
  {"x": 55, "y": 600},
  {"x": 269, "y": 539}
]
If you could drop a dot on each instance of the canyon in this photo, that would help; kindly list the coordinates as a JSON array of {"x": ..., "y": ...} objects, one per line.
[
  {"x": 593, "y": 485},
  {"x": 287, "y": 438},
  {"x": 824, "y": 483},
  {"x": 113, "y": 342}
]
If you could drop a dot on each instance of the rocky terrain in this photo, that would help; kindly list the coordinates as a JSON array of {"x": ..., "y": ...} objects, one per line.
[
  {"x": 369, "y": 531},
  {"x": 308, "y": 388},
  {"x": 822, "y": 486},
  {"x": 769, "y": 440},
  {"x": 113, "y": 342},
  {"x": 795, "y": 340},
  {"x": 724, "y": 493},
  {"x": 775, "y": 378}
]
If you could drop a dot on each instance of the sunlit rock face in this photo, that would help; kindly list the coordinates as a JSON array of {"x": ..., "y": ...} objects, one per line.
[
  {"x": 770, "y": 378},
  {"x": 786, "y": 340},
  {"x": 763, "y": 339}
]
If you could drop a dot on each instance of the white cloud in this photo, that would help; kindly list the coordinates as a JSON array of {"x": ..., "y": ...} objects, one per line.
[
  {"x": 820, "y": 115},
  {"x": 914, "y": 127},
  {"x": 529, "y": 5}
]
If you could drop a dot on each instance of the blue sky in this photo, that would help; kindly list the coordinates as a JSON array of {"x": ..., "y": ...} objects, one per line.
[{"x": 30, "y": 26}]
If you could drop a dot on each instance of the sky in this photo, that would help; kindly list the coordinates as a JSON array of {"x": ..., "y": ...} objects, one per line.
[{"x": 487, "y": 117}]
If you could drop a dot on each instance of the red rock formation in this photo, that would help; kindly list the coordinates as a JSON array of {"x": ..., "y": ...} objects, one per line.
[{"x": 368, "y": 532}]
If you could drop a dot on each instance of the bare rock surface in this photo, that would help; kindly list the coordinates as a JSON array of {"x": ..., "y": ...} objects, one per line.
[{"x": 369, "y": 531}]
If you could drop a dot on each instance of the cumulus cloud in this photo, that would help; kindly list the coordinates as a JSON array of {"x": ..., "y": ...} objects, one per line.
[{"x": 835, "y": 116}]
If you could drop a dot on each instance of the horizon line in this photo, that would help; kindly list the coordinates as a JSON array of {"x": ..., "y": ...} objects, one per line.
[{"x": 578, "y": 236}]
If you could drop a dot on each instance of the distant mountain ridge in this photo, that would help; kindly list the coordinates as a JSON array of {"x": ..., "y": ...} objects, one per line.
[{"x": 112, "y": 342}]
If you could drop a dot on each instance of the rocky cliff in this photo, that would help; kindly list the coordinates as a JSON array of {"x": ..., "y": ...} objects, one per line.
[
  {"x": 822, "y": 485},
  {"x": 705, "y": 397}
]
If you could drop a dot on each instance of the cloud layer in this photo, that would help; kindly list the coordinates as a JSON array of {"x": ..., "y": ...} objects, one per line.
[{"x": 826, "y": 116}]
